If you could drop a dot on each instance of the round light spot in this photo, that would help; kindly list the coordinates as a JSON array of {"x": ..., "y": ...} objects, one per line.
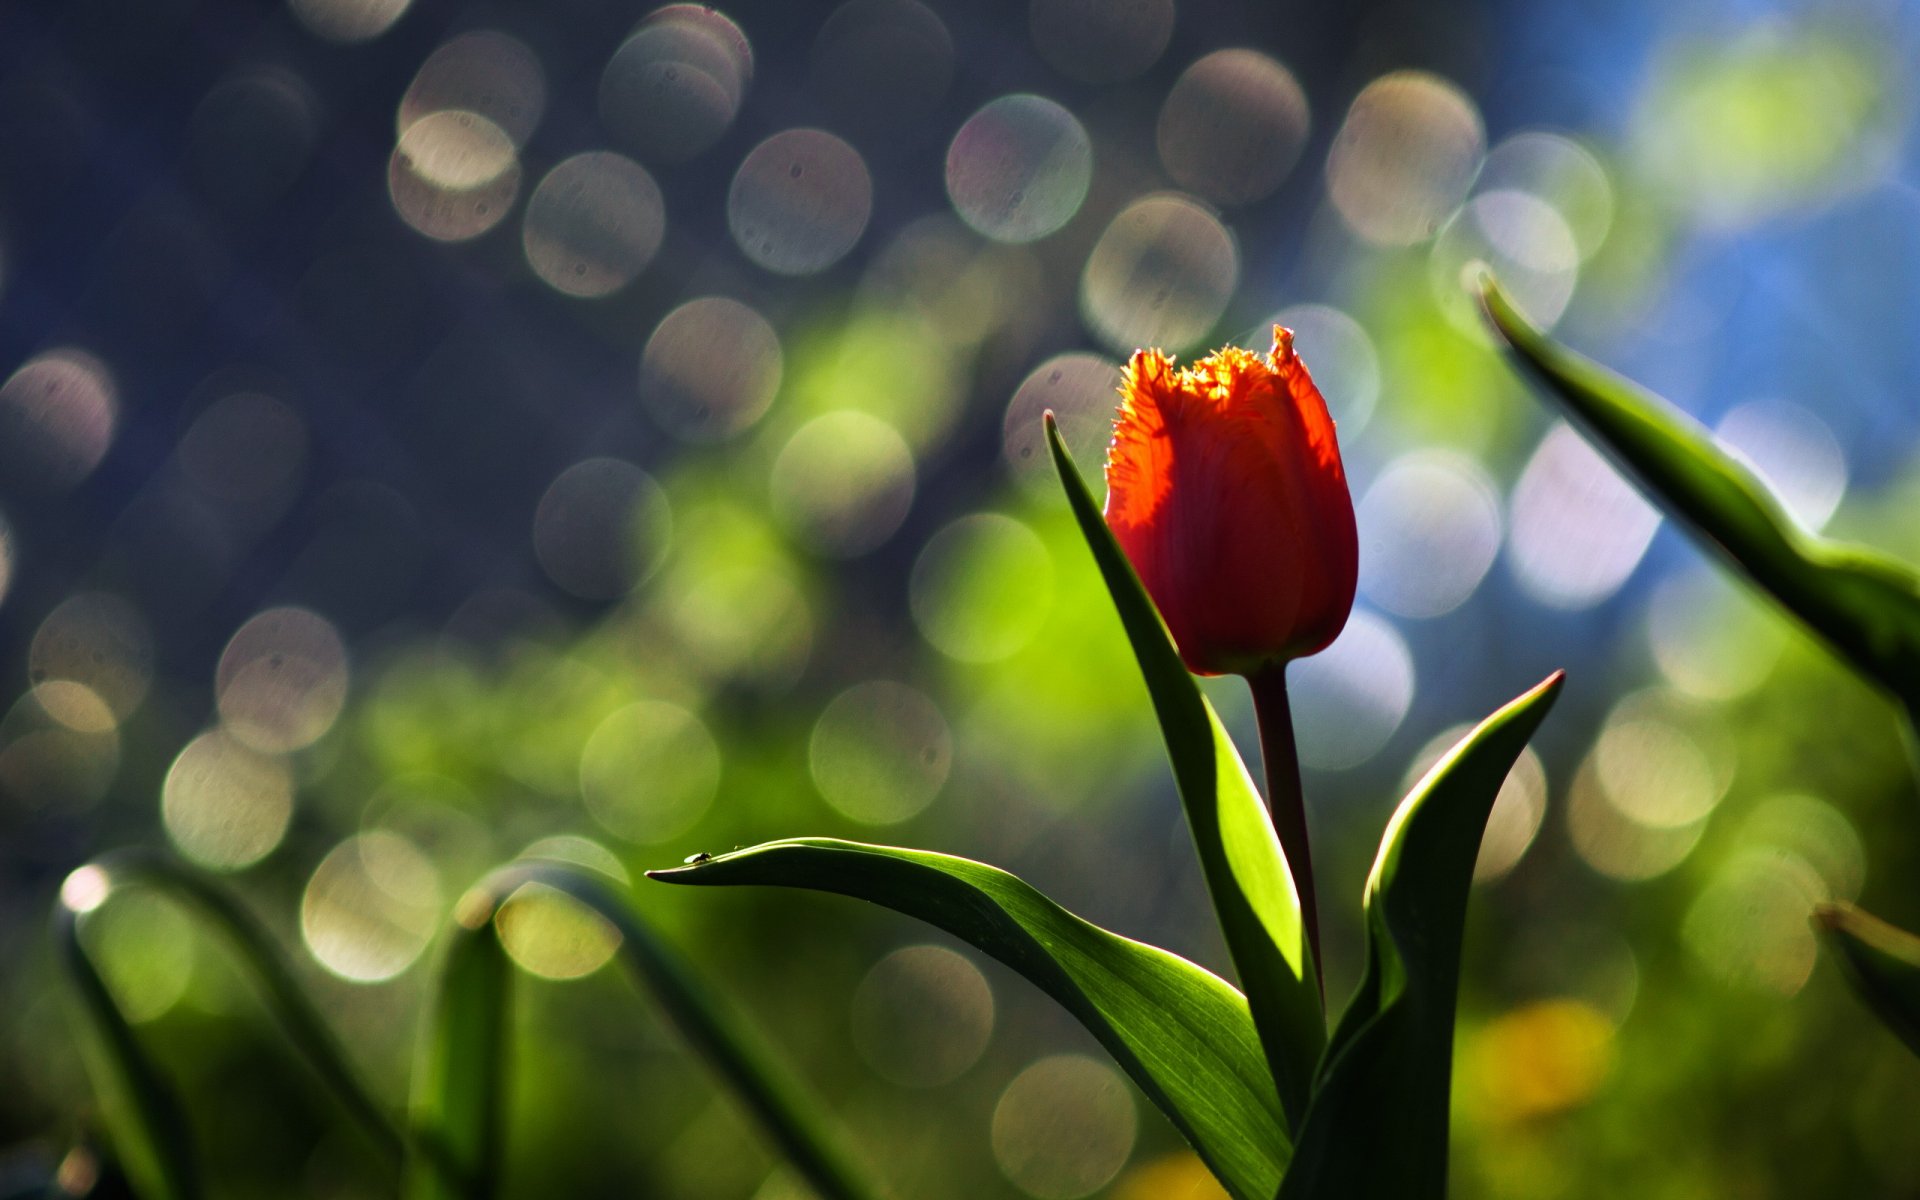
[
  {"x": 1064, "y": 1127},
  {"x": 1177, "y": 1176},
  {"x": 882, "y": 65},
  {"x": 1540, "y": 1059},
  {"x": 1160, "y": 275},
  {"x": 843, "y": 483},
  {"x": 86, "y": 888},
  {"x": 1351, "y": 697},
  {"x": 1101, "y": 41},
  {"x": 144, "y": 947},
  {"x": 1794, "y": 454},
  {"x": 226, "y": 806},
  {"x": 602, "y": 528},
  {"x": 371, "y": 907},
  {"x": 282, "y": 680},
  {"x": 1617, "y": 846},
  {"x": 59, "y": 749},
  {"x": 981, "y": 588},
  {"x": 1233, "y": 126},
  {"x": 1817, "y": 834},
  {"x": 1019, "y": 168},
  {"x": 484, "y": 72},
  {"x": 1526, "y": 244},
  {"x": 1404, "y": 157},
  {"x": 1579, "y": 529},
  {"x": 1518, "y": 808},
  {"x": 1653, "y": 773},
  {"x": 1430, "y": 526},
  {"x": 348, "y": 20},
  {"x": 101, "y": 642},
  {"x": 880, "y": 752},
  {"x": 1713, "y": 638},
  {"x": 699, "y": 395},
  {"x": 1751, "y": 925},
  {"x": 799, "y": 202},
  {"x": 57, "y": 418},
  {"x": 252, "y": 137},
  {"x": 550, "y": 934},
  {"x": 677, "y": 83},
  {"x": 922, "y": 1016},
  {"x": 453, "y": 175},
  {"x": 247, "y": 452},
  {"x": 649, "y": 772},
  {"x": 1561, "y": 172},
  {"x": 1341, "y": 357},
  {"x": 593, "y": 224},
  {"x": 1081, "y": 390}
]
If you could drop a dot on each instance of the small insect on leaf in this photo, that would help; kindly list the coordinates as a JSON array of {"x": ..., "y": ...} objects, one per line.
[{"x": 694, "y": 860}]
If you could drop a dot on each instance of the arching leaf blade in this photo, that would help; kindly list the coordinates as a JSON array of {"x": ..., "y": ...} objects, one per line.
[
  {"x": 1865, "y": 604},
  {"x": 1181, "y": 1032},
  {"x": 1377, "y": 1127}
]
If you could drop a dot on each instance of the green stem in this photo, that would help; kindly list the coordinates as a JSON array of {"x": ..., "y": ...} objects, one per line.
[{"x": 1285, "y": 797}]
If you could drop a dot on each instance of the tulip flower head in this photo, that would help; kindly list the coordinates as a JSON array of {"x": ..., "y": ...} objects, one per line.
[{"x": 1225, "y": 489}]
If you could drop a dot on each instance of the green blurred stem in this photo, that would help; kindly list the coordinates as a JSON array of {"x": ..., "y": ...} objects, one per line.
[{"x": 1285, "y": 797}]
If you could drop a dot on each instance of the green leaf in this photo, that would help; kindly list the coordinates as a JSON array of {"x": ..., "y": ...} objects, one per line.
[
  {"x": 460, "y": 1077},
  {"x": 1864, "y": 603},
  {"x": 261, "y": 958},
  {"x": 146, "y": 1122},
  {"x": 1247, "y": 875},
  {"x": 1881, "y": 961},
  {"x": 461, "y": 1085},
  {"x": 1377, "y": 1127},
  {"x": 1181, "y": 1032}
]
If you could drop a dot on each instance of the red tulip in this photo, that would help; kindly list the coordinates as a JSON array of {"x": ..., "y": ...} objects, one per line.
[{"x": 1225, "y": 489}]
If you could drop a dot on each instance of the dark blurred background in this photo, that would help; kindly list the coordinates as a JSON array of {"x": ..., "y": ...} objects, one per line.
[{"x": 436, "y": 429}]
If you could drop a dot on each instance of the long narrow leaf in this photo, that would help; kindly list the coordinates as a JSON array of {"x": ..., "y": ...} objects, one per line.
[
  {"x": 146, "y": 1121},
  {"x": 1377, "y": 1128},
  {"x": 1882, "y": 962},
  {"x": 460, "y": 1092},
  {"x": 1181, "y": 1032},
  {"x": 261, "y": 958},
  {"x": 1246, "y": 871},
  {"x": 460, "y": 1080},
  {"x": 1864, "y": 603}
]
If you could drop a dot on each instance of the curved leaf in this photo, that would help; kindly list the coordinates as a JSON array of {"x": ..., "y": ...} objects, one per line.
[
  {"x": 460, "y": 1088},
  {"x": 146, "y": 1121},
  {"x": 1881, "y": 961},
  {"x": 460, "y": 1075},
  {"x": 1864, "y": 603},
  {"x": 1181, "y": 1032},
  {"x": 1247, "y": 874},
  {"x": 260, "y": 956},
  {"x": 1377, "y": 1127}
]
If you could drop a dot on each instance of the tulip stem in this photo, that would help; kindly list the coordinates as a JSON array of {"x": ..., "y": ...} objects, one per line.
[{"x": 1286, "y": 798}]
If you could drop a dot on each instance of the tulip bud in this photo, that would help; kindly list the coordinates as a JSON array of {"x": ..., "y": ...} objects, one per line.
[{"x": 1225, "y": 489}]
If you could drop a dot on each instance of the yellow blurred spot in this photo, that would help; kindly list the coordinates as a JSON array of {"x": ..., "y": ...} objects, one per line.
[
  {"x": 551, "y": 934},
  {"x": 1537, "y": 1060},
  {"x": 1180, "y": 1176}
]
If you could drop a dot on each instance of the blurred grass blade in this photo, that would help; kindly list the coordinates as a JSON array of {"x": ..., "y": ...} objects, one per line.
[
  {"x": 1882, "y": 962},
  {"x": 145, "y": 1119},
  {"x": 462, "y": 1084},
  {"x": 460, "y": 1078},
  {"x": 261, "y": 958},
  {"x": 1864, "y": 603},
  {"x": 1377, "y": 1129},
  {"x": 1181, "y": 1032},
  {"x": 1246, "y": 871}
]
